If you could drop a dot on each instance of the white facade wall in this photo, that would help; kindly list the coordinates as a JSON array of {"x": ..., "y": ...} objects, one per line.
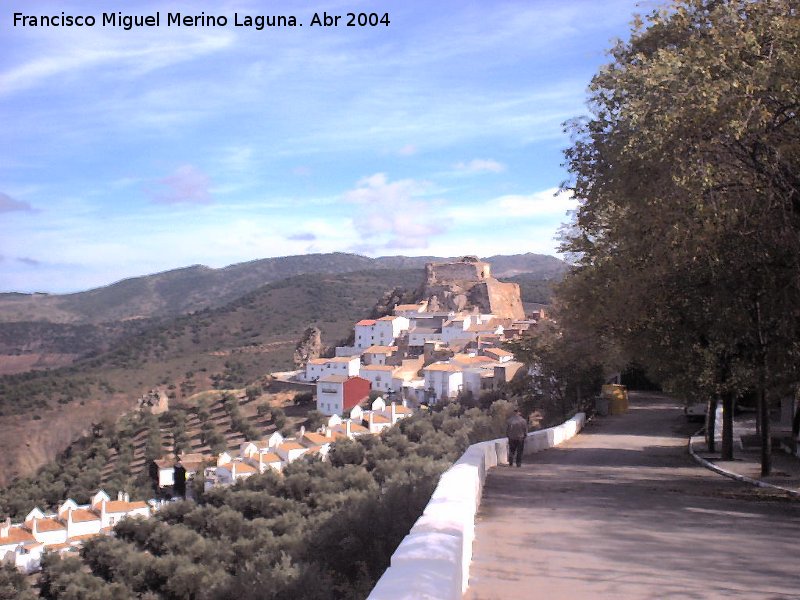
[
  {"x": 457, "y": 329},
  {"x": 473, "y": 379},
  {"x": 166, "y": 476},
  {"x": 58, "y": 536},
  {"x": 379, "y": 378},
  {"x": 365, "y": 336},
  {"x": 341, "y": 365},
  {"x": 416, "y": 338},
  {"x": 387, "y": 329},
  {"x": 84, "y": 527},
  {"x": 445, "y": 383},
  {"x": 290, "y": 454},
  {"x": 330, "y": 397}
]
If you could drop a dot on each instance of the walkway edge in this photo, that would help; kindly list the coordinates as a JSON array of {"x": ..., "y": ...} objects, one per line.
[
  {"x": 433, "y": 560},
  {"x": 742, "y": 478}
]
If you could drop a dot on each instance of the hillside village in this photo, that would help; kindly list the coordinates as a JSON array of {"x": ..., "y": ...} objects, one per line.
[{"x": 442, "y": 348}]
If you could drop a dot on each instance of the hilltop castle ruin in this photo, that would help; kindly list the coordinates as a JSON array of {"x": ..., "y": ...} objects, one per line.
[{"x": 468, "y": 283}]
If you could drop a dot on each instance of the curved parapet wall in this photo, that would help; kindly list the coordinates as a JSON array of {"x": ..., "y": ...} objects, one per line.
[{"x": 432, "y": 562}]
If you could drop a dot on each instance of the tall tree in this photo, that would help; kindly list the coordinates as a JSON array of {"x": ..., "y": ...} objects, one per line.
[{"x": 687, "y": 237}]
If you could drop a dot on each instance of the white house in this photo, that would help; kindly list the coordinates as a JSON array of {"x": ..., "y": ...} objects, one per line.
[
  {"x": 338, "y": 393},
  {"x": 409, "y": 310},
  {"x": 18, "y": 547},
  {"x": 379, "y": 376},
  {"x": 338, "y": 365},
  {"x": 456, "y": 328},
  {"x": 377, "y": 355},
  {"x": 388, "y": 328},
  {"x": 45, "y": 530},
  {"x": 498, "y": 354},
  {"x": 421, "y": 334},
  {"x": 340, "y": 428},
  {"x": 113, "y": 511},
  {"x": 479, "y": 378},
  {"x": 445, "y": 380},
  {"x": 234, "y": 470},
  {"x": 364, "y": 334},
  {"x": 79, "y": 521},
  {"x": 290, "y": 451}
]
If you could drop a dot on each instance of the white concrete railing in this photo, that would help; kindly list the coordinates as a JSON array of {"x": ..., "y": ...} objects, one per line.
[{"x": 432, "y": 562}]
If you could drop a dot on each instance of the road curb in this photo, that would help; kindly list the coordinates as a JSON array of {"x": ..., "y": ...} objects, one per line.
[{"x": 742, "y": 478}]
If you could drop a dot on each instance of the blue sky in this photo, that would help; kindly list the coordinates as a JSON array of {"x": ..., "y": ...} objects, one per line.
[{"x": 131, "y": 152}]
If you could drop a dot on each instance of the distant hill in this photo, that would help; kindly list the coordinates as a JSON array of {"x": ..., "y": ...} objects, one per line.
[
  {"x": 194, "y": 288},
  {"x": 224, "y": 347}
]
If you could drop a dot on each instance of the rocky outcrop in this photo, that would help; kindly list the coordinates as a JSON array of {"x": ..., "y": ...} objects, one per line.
[
  {"x": 467, "y": 284},
  {"x": 308, "y": 348}
]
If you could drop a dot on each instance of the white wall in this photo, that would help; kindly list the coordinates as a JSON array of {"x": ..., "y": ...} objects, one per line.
[{"x": 432, "y": 562}]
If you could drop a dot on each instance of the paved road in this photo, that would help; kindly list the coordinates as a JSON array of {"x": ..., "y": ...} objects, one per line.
[{"x": 621, "y": 511}]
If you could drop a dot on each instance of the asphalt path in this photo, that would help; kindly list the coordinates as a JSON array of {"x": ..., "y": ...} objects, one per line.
[{"x": 622, "y": 511}]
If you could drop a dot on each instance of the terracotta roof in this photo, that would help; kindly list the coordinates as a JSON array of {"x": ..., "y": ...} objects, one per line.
[
  {"x": 270, "y": 457},
  {"x": 342, "y": 359},
  {"x": 378, "y": 418},
  {"x": 388, "y": 318},
  {"x": 318, "y": 361},
  {"x": 465, "y": 359},
  {"x": 380, "y": 349},
  {"x": 45, "y": 524},
  {"x": 399, "y": 408},
  {"x": 81, "y": 538},
  {"x": 291, "y": 446},
  {"x": 81, "y": 515},
  {"x": 407, "y": 307},
  {"x": 366, "y": 322},
  {"x": 484, "y": 327},
  {"x": 58, "y": 547},
  {"x": 333, "y": 379},
  {"x": 498, "y": 352},
  {"x": 243, "y": 467},
  {"x": 442, "y": 367},
  {"x": 118, "y": 506},
  {"x": 16, "y": 535},
  {"x": 378, "y": 368},
  {"x": 316, "y": 438}
]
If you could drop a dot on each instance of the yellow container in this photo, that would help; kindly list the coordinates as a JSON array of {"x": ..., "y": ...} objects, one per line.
[{"x": 617, "y": 398}]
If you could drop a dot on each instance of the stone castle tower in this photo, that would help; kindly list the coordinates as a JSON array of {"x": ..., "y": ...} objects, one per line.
[{"x": 468, "y": 284}]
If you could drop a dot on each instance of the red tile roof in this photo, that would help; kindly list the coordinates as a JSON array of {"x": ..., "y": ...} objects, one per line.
[{"x": 16, "y": 535}]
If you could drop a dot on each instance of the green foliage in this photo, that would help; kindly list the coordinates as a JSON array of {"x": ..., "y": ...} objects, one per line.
[
  {"x": 13, "y": 585},
  {"x": 687, "y": 235},
  {"x": 278, "y": 417},
  {"x": 314, "y": 420},
  {"x": 321, "y": 530}
]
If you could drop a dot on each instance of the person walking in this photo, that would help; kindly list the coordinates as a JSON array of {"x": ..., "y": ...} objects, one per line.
[{"x": 516, "y": 430}]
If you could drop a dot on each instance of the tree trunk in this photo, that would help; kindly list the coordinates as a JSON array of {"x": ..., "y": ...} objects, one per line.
[
  {"x": 795, "y": 427},
  {"x": 711, "y": 424},
  {"x": 763, "y": 399},
  {"x": 766, "y": 438},
  {"x": 727, "y": 426}
]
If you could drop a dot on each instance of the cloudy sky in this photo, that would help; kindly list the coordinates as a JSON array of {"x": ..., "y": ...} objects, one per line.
[{"x": 131, "y": 152}]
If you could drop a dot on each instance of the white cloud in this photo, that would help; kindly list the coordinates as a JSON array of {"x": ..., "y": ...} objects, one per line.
[
  {"x": 480, "y": 165},
  {"x": 9, "y": 204},
  {"x": 394, "y": 214},
  {"x": 549, "y": 202},
  {"x": 187, "y": 184}
]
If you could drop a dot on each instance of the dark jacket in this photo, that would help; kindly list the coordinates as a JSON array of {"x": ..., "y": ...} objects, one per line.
[{"x": 516, "y": 427}]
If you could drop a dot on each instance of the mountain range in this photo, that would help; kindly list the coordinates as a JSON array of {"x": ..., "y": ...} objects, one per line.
[{"x": 182, "y": 291}]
